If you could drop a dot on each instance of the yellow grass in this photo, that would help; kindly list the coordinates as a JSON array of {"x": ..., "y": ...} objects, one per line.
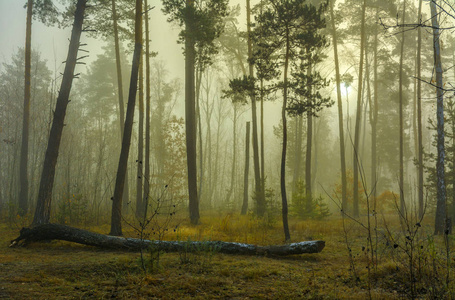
[{"x": 61, "y": 270}]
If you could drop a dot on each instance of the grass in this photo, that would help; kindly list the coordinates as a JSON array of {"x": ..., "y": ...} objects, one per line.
[{"x": 61, "y": 270}]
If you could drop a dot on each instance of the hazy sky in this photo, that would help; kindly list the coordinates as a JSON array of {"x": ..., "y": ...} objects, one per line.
[{"x": 53, "y": 42}]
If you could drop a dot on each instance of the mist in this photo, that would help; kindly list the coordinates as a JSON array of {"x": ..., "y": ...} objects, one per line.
[{"x": 263, "y": 123}]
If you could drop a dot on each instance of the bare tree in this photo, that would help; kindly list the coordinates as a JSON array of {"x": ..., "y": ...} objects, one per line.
[
  {"x": 23, "y": 193},
  {"x": 116, "y": 217},
  {"x": 43, "y": 206}
]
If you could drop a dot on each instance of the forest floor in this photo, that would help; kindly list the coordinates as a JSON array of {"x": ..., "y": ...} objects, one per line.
[{"x": 62, "y": 270}]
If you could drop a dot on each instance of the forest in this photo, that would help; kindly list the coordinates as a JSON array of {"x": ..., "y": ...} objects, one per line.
[{"x": 264, "y": 149}]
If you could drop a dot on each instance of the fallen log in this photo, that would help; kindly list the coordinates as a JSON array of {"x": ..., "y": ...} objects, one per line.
[{"x": 48, "y": 232}]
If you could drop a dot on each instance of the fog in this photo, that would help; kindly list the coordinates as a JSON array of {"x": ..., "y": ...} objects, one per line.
[{"x": 91, "y": 127}]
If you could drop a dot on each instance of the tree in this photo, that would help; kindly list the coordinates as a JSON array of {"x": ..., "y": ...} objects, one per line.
[
  {"x": 43, "y": 206},
  {"x": 441, "y": 210},
  {"x": 23, "y": 194},
  {"x": 203, "y": 23},
  {"x": 260, "y": 198},
  {"x": 246, "y": 170},
  {"x": 11, "y": 115},
  {"x": 116, "y": 217},
  {"x": 401, "y": 132},
  {"x": 358, "y": 113},
  {"x": 419, "y": 115},
  {"x": 340, "y": 107},
  {"x": 147, "y": 114},
  {"x": 289, "y": 34},
  {"x": 47, "y": 13}
]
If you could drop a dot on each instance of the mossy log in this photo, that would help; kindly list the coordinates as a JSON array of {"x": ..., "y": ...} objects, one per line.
[{"x": 48, "y": 232}]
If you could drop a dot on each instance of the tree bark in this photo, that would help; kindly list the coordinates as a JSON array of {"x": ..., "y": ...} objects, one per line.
[
  {"x": 190, "y": 117},
  {"x": 23, "y": 192},
  {"x": 419, "y": 116},
  {"x": 116, "y": 217},
  {"x": 297, "y": 152},
  {"x": 234, "y": 155},
  {"x": 309, "y": 143},
  {"x": 441, "y": 210},
  {"x": 140, "y": 146},
  {"x": 43, "y": 206},
  {"x": 358, "y": 115},
  {"x": 401, "y": 133},
  {"x": 48, "y": 232},
  {"x": 147, "y": 115},
  {"x": 284, "y": 200},
  {"x": 344, "y": 199},
  {"x": 260, "y": 201},
  {"x": 374, "y": 109},
  {"x": 247, "y": 169},
  {"x": 120, "y": 89}
]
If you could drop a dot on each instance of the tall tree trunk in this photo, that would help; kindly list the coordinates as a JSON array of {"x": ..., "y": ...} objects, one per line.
[
  {"x": 260, "y": 201},
  {"x": 116, "y": 217},
  {"x": 344, "y": 199},
  {"x": 419, "y": 115},
  {"x": 441, "y": 209},
  {"x": 400, "y": 93},
  {"x": 358, "y": 114},
  {"x": 23, "y": 189},
  {"x": 284, "y": 200},
  {"x": 140, "y": 145},
  {"x": 190, "y": 116},
  {"x": 199, "y": 130},
  {"x": 297, "y": 152},
  {"x": 147, "y": 114},
  {"x": 247, "y": 169},
  {"x": 262, "y": 145},
  {"x": 234, "y": 156},
  {"x": 309, "y": 143},
  {"x": 43, "y": 205},
  {"x": 374, "y": 108},
  {"x": 119, "y": 89}
]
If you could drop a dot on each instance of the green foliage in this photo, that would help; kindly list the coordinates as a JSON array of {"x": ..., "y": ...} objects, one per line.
[
  {"x": 45, "y": 11},
  {"x": 299, "y": 207},
  {"x": 201, "y": 24}
]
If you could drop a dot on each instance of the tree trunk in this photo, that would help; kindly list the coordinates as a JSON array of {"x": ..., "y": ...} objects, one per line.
[
  {"x": 260, "y": 201},
  {"x": 116, "y": 217},
  {"x": 374, "y": 108},
  {"x": 66, "y": 233},
  {"x": 147, "y": 115},
  {"x": 140, "y": 146},
  {"x": 419, "y": 116},
  {"x": 297, "y": 152},
  {"x": 309, "y": 143},
  {"x": 344, "y": 199},
  {"x": 247, "y": 169},
  {"x": 441, "y": 210},
  {"x": 23, "y": 188},
  {"x": 190, "y": 117},
  {"x": 234, "y": 155},
  {"x": 284, "y": 200},
  {"x": 358, "y": 115},
  {"x": 43, "y": 206},
  {"x": 120, "y": 89},
  {"x": 199, "y": 130},
  {"x": 262, "y": 177},
  {"x": 400, "y": 92}
]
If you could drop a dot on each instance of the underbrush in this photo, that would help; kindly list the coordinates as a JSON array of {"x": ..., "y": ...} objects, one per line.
[{"x": 61, "y": 270}]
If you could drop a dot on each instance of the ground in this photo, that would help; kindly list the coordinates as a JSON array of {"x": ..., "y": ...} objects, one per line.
[{"x": 61, "y": 270}]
